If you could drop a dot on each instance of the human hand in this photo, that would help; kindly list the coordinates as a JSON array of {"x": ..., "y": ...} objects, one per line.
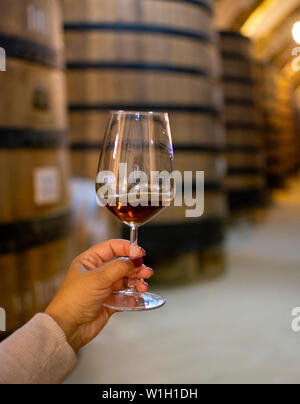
[{"x": 92, "y": 277}]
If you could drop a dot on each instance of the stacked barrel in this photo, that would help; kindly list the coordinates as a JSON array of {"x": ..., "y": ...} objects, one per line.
[
  {"x": 296, "y": 113},
  {"x": 159, "y": 56},
  {"x": 34, "y": 169},
  {"x": 244, "y": 147},
  {"x": 279, "y": 123}
]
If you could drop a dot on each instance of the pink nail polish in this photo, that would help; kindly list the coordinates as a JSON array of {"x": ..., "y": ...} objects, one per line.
[{"x": 137, "y": 262}]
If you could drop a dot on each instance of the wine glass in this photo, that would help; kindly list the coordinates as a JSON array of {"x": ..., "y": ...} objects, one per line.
[{"x": 137, "y": 148}]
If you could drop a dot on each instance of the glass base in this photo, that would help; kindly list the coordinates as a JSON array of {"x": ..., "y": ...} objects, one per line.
[{"x": 128, "y": 300}]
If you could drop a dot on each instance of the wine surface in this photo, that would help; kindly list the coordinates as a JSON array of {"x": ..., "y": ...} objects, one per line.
[{"x": 135, "y": 214}]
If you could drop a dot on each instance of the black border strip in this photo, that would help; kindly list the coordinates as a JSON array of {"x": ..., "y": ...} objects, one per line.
[
  {"x": 16, "y": 138},
  {"x": 21, "y": 235},
  {"x": 119, "y": 65},
  {"x": 139, "y": 28},
  {"x": 30, "y": 51},
  {"x": 146, "y": 107}
]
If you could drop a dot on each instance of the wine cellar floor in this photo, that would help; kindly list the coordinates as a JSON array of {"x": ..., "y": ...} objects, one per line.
[{"x": 234, "y": 329}]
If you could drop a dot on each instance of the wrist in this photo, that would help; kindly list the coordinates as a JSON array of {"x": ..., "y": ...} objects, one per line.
[{"x": 66, "y": 326}]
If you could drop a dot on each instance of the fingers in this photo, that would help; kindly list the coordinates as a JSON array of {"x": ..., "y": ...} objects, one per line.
[
  {"x": 107, "y": 275},
  {"x": 143, "y": 273},
  {"x": 140, "y": 284},
  {"x": 103, "y": 252}
]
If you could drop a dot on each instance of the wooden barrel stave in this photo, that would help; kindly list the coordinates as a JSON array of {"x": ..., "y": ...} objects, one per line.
[
  {"x": 10, "y": 290},
  {"x": 30, "y": 278},
  {"x": 19, "y": 174},
  {"x": 93, "y": 88},
  {"x": 241, "y": 114},
  {"x": 243, "y": 138},
  {"x": 158, "y": 56},
  {"x": 33, "y": 20},
  {"x": 244, "y": 182},
  {"x": 214, "y": 202},
  {"x": 236, "y": 67},
  {"x": 141, "y": 87},
  {"x": 202, "y": 129},
  {"x": 233, "y": 44},
  {"x": 43, "y": 100},
  {"x": 114, "y": 47},
  {"x": 246, "y": 159},
  {"x": 243, "y": 120},
  {"x": 280, "y": 140},
  {"x": 211, "y": 136},
  {"x": 35, "y": 221},
  {"x": 238, "y": 90},
  {"x": 174, "y": 14},
  {"x": 43, "y": 269},
  {"x": 211, "y": 163}
]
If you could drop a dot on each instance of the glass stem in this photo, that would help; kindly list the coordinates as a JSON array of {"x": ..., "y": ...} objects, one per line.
[{"x": 133, "y": 253}]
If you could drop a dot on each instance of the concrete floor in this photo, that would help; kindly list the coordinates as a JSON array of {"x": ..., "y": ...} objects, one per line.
[{"x": 234, "y": 329}]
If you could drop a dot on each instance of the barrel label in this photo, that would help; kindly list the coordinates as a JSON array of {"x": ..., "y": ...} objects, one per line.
[
  {"x": 47, "y": 187},
  {"x": 41, "y": 99},
  {"x": 37, "y": 20}
]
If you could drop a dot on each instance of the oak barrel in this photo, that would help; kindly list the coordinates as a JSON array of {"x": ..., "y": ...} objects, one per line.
[
  {"x": 35, "y": 220},
  {"x": 159, "y": 56},
  {"x": 279, "y": 123},
  {"x": 244, "y": 140},
  {"x": 296, "y": 116}
]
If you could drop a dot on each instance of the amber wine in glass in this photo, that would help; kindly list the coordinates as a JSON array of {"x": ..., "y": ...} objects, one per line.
[{"x": 137, "y": 148}]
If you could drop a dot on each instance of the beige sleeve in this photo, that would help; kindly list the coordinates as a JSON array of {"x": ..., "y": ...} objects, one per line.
[{"x": 38, "y": 353}]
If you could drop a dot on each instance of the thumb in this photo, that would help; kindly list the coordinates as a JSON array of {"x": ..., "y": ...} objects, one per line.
[{"x": 114, "y": 271}]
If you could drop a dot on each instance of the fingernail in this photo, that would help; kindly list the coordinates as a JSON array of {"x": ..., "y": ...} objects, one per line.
[
  {"x": 150, "y": 269},
  {"x": 137, "y": 262},
  {"x": 143, "y": 251},
  {"x": 144, "y": 282}
]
